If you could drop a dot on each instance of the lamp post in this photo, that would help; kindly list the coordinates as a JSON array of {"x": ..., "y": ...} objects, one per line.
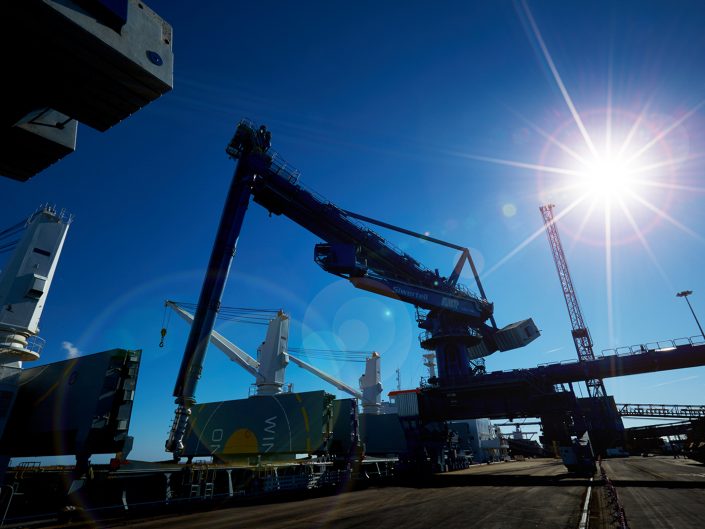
[{"x": 685, "y": 294}]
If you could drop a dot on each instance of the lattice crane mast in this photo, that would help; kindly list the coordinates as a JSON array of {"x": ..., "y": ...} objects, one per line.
[{"x": 580, "y": 332}]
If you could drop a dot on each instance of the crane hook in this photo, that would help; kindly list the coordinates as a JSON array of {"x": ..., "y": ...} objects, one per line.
[{"x": 161, "y": 343}]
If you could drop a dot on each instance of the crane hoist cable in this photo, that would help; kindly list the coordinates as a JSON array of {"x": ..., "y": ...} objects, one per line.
[
  {"x": 9, "y": 246},
  {"x": 254, "y": 316},
  {"x": 13, "y": 230},
  {"x": 166, "y": 318},
  {"x": 338, "y": 355},
  {"x": 8, "y": 242}
]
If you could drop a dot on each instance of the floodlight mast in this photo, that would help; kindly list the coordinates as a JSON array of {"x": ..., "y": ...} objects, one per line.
[{"x": 685, "y": 294}]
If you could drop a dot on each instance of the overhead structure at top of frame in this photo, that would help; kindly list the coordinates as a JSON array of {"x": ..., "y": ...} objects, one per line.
[{"x": 93, "y": 61}]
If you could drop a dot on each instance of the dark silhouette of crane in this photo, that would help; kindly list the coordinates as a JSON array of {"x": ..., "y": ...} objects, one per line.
[{"x": 580, "y": 332}]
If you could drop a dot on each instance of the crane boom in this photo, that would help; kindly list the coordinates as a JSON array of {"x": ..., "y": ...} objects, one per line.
[
  {"x": 232, "y": 351},
  {"x": 342, "y": 386},
  {"x": 252, "y": 366},
  {"x": 580, "y": 332},
  {"x": 455, "y": 324}
]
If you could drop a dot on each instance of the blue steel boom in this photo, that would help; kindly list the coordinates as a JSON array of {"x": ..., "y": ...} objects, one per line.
[{"x": 456, "y": 321}]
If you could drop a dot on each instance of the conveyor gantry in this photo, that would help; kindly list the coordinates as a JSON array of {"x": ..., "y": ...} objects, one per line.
[
  {"x": 529, "y": 392},
  {"x": 667, "y": 411}
]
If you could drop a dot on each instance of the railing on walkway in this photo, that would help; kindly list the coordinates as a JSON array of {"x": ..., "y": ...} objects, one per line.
[
  {"x": 663, "y": 345},
  {"x": 661, "y": 410}
]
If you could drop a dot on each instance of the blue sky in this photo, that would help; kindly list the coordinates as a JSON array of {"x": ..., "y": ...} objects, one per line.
[{"x": 413, "y": 115}]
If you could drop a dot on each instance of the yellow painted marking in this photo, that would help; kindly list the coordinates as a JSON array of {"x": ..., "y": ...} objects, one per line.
[
  {"x": 242, "y": 441},
  {"x": 308, "y": 429},
  {"x": 305, "y": 414}
]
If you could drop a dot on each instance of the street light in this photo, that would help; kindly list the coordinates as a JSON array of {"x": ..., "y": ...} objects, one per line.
[{"x": 685, "y": 294}]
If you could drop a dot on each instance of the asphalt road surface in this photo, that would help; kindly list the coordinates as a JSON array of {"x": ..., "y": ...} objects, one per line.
[
  {"x": 537, "y": 493},
  {"x": 659, "y": 492}
]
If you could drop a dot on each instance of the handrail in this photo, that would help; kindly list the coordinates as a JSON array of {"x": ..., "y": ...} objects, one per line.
[
  {"x": 661, "y": 345},
  {"x": 630, "y": 350},
  {"x": 661, "y": 410}
]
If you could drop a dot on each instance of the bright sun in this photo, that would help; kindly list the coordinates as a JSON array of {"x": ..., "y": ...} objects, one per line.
[
  {"x": 607, "y": 177},
  {"x": 635, "y": 159}
]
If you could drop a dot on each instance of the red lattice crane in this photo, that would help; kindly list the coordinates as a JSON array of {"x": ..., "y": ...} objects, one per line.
[{"x": 580, "y": 332}]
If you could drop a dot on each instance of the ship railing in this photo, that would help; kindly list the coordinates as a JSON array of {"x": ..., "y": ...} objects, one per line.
[
  {"x": 333, "y": 477},
  {"x": 36, "y": 344},
  {"x": 275, "y": 482}
]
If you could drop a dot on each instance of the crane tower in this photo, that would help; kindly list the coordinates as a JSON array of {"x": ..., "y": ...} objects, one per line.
[{"x": 580, "y": 332}]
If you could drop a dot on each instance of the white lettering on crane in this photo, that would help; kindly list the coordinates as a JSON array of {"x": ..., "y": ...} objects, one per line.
[
  {"x": 450, "y": 303},
  {"x": 410, "y": 293}
]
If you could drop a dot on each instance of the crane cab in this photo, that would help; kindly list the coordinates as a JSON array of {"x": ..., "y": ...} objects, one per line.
[{"x": 340, "y": 259}]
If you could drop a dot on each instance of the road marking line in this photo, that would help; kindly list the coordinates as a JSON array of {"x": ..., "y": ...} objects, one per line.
[{"x": 586, "y": 508}]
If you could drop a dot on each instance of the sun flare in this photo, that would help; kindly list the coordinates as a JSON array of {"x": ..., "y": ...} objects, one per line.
[
  {"x": 608, "y": 178},
  {"x": 624, "y": 178}
]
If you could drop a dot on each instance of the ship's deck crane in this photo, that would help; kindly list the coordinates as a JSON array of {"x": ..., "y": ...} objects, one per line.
[
  {"x": 25, "y": 282},
  {"x": 455, "y": 323},
  {"x": 273, "y": 356}
]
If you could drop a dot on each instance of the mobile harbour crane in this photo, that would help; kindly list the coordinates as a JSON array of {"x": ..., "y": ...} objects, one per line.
[{"x": 455, "y": 321}]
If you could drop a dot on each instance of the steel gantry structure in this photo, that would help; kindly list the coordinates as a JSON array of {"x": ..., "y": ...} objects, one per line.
[
  {"x": 580, "y": 332},
  {"x": 662, "y": 410}
]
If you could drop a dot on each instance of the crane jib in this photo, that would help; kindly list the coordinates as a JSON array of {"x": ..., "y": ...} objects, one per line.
[{"x": 354, "y": 251}]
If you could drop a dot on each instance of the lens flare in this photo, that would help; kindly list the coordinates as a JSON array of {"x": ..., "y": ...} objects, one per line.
[
  {"x": 621, "y": 167},
  {"x": 607, "y": 177}
]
